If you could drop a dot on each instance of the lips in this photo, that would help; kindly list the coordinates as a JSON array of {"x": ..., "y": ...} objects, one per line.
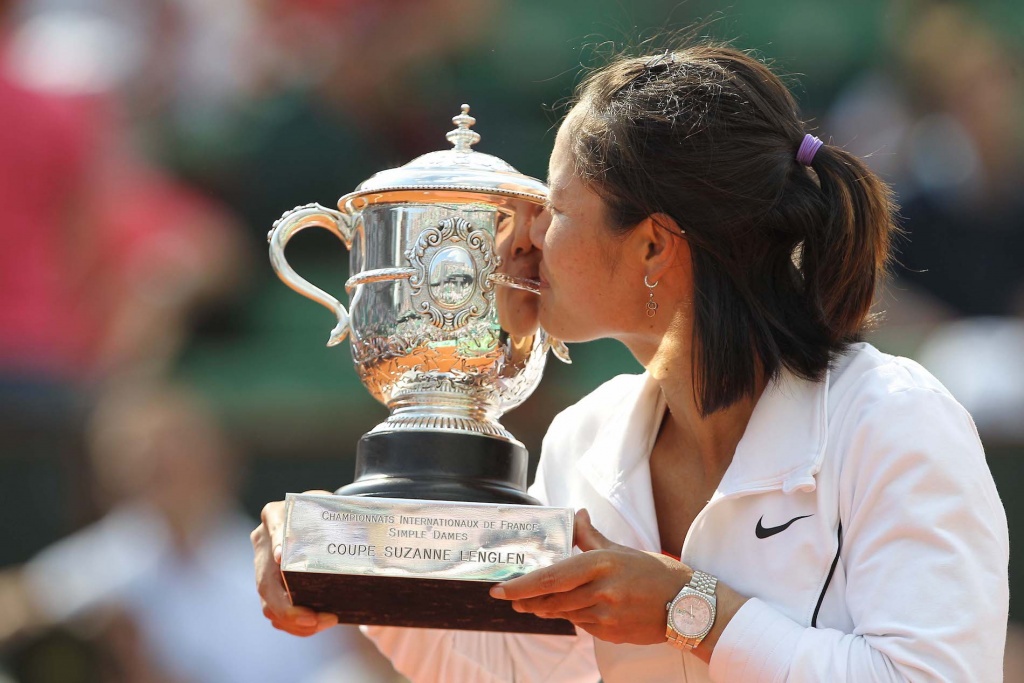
[
  {"x": 526, "y": 268},
  {"x": 520, "y": 273},
  {"x": 542, "y": 279}
]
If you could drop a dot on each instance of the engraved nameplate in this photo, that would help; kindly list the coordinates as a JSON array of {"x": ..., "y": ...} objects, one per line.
[{"x": 421, "y": 538}]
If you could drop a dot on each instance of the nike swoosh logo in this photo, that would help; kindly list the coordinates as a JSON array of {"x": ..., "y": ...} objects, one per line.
[{"x": 763, "y": 532}]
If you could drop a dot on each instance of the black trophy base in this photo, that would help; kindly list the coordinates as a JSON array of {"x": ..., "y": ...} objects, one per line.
[
  {"x": 419, "y": 603},
  {"x": 440, "y": 466}
]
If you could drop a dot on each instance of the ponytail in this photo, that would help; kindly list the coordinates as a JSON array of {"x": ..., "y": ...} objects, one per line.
[{"x": 844, "y": 259}]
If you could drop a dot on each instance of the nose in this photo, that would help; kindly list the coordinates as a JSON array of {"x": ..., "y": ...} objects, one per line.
[
  {"x": 539, "y": 228},
  {"x": 521, "y": 242}
]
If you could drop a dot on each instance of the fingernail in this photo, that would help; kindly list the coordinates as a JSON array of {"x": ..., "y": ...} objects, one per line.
[
  {"x": 497, "y": 592},
  {"x": 277, "y": 554},
  {"x": 306, "y": 620}
]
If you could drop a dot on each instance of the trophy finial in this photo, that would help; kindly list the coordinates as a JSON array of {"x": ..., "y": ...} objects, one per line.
[{"x": 462, "y": 137}]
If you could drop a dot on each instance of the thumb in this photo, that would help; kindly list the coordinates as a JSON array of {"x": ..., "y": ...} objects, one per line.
[{"x": 586, "y": 537}]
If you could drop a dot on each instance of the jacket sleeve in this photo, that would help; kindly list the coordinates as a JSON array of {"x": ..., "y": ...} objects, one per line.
[
  {"x": 924, "y": 551},
  {"x": 427, "y": 655}
]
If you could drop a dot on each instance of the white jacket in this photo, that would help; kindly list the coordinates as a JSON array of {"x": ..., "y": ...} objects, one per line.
[{"x": 895, "y": 568}]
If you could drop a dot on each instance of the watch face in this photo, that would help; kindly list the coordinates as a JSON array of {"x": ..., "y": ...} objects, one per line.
[{"x": 691, "y": 615}]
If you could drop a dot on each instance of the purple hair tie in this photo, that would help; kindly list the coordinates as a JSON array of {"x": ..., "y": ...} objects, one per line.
[{"x": 808, "y": 148}]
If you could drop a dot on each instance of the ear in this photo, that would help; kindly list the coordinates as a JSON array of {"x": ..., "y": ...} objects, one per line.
[{"x": 659, "y": 244}]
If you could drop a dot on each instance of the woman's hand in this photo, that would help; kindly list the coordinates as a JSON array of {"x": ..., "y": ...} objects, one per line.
[
  {"x": 615, "y": 593},
  {"x": 266, "y": 543}
]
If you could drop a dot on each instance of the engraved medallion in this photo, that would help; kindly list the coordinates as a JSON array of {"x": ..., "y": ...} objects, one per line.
[{"x": 453, "y": 263}]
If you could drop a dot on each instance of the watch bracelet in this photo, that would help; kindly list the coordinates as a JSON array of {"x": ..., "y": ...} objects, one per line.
[{"x": 703, "y": 582}]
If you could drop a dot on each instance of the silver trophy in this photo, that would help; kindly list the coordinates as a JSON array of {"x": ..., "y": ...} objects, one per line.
[{"x": 443, "y": 322}]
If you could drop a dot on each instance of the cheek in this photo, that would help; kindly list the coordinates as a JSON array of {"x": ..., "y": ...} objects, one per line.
[
  {"x": 551, "y": 236},
  {"x": 560, "y": 250}
]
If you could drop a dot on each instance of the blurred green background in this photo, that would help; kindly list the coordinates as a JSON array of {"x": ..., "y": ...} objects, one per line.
[{"x": 176, "y": 132}]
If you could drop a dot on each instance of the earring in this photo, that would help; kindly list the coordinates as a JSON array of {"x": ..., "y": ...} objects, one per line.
[{"x": 652, "y": 305}]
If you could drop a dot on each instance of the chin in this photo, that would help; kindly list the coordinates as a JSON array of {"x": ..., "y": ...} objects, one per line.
[{"x": 560, "y": 327}]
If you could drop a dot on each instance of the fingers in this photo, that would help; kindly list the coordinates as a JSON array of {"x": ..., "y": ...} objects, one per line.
[
  {"x": 303, "y": 622},
  {"x": 568, "y": 574},
  {"x": 587, "y": 537},
  {"x": 269, "y": 583},
  {"x": 584, "y": 597},
  {"x": 266, "y": 542},
  {"x": 560, "y": 577},
  {"x": 602, "y": 622},
  {"x": 615, "y": 593}
]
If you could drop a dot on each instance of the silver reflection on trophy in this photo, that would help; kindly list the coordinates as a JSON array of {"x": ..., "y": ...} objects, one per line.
[{"x": 443, "y": 312}]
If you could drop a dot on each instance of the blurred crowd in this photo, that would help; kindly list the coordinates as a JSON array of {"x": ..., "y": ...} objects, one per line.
[
  {"x": 156, "y": 381},
  {"x": 943, "y": 120},
  {"x": 160, "y": 588}
]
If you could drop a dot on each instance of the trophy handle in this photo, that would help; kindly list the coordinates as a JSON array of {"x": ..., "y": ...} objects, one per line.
[
  {"x": 300, "y": 218},
  {"x": 556, "y": 346}
]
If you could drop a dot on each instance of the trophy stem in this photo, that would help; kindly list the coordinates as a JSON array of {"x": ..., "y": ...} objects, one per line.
[{"x": 440, "y": 466}]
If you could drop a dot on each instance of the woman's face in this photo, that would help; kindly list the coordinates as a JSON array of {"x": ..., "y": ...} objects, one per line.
[{"x": 583, "y": 274}]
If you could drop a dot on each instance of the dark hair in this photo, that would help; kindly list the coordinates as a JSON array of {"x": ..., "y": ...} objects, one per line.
[{"x": 785, "y": 259}]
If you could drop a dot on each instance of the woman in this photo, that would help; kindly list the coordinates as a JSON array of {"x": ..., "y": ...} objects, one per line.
[{"x": 831, "y": 504}]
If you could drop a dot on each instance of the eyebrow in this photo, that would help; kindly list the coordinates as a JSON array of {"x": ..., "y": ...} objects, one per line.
[{"x": 551, "y": 196}]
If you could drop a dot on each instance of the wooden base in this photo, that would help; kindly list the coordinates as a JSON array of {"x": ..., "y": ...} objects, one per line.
[{"x": 421, "y": 603}]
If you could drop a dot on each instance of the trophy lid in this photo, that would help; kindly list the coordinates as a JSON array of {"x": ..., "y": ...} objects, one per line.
[{"x": 459, "y": 170}]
